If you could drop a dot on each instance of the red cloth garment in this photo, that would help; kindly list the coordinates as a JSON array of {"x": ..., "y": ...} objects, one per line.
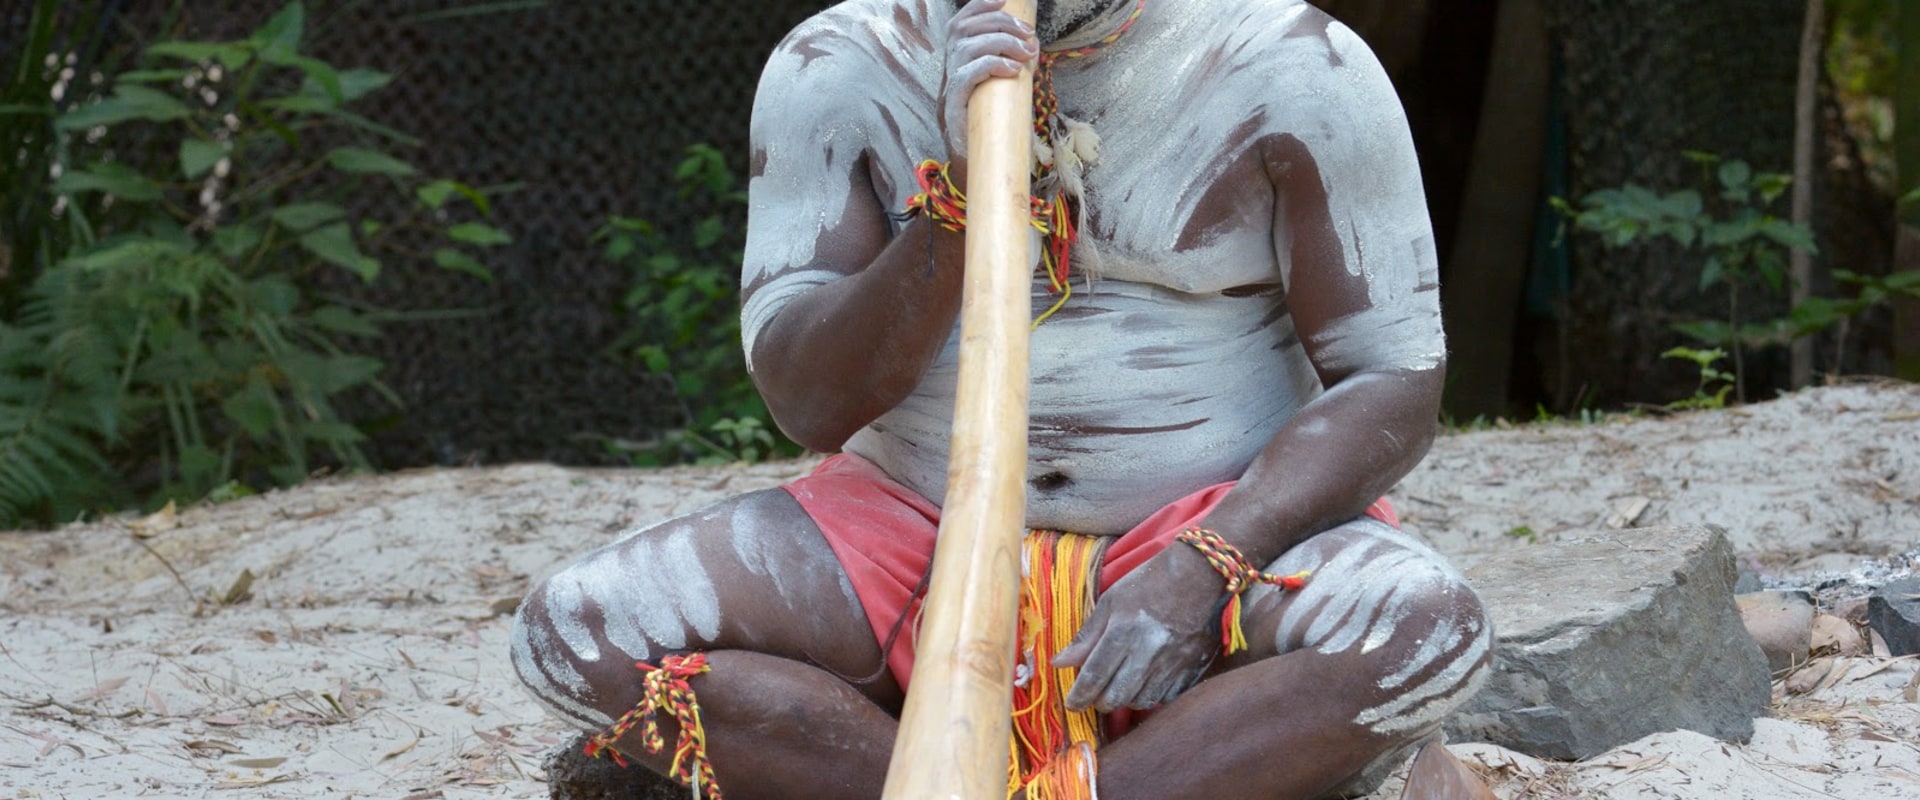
[{"x": 883, "y": 532}]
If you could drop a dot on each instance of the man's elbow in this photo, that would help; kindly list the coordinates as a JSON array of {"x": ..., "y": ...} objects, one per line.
[
  {"x": 808, "y": 424},
  {"x": 817, "y": 435}
]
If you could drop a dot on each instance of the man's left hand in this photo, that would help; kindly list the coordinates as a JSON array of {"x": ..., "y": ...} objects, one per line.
[{"x": 1150, "y": 637}]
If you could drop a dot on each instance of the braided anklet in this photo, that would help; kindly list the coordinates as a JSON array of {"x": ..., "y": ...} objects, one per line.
[{"x": 666, "y": 688}]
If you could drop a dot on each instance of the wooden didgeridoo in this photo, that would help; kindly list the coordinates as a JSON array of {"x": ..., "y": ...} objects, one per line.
[{"x": 954, "y": 731}]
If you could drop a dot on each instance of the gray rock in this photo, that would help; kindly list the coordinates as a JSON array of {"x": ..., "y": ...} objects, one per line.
[
  {"x": 1894, "y": 613},
  {"x": 1607, "y": 638}
]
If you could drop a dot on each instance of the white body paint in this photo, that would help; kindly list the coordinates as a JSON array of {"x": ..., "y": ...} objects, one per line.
[
  {"x": 663, "y": 594},
  {"x": 1151, "y": 383},
  {"x": 1379, "y": 587},
  {"x": 652, "y": 592}
]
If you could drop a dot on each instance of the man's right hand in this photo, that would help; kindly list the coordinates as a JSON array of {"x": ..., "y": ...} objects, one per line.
[{"x": 983, "y": 41}]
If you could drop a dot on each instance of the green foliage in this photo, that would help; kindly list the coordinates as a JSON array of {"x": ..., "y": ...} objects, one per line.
[
  {"x": 684, "y": 321},
  {"x": 1586, "y": 416},
  {"x": 1820, "y": 313},
  {"x": 159, "y": 338},
  {"x": 1714, "y": 382},
  {"x": 1741, "y": 245},
  {"x": 1862, "y": 55}
]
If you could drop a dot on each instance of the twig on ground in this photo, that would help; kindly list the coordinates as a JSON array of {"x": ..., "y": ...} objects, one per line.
[
  {"x": 1763, "y": 768},
  {"x": 53, "y": 742},
  {"x": 77, "y": 710},
  {"x": 198, "y": 607},
  {"x": 23, "y": 668}
]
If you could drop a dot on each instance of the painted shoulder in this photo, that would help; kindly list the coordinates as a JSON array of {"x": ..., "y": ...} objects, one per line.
[
  {"x": 844, "y": 65},
  {"x": 1294, "y": 42}
]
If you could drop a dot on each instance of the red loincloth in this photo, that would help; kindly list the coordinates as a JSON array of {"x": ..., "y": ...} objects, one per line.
[{"x": 883, "y": 532}]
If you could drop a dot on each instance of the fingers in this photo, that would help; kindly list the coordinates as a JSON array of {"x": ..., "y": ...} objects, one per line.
[
  {"x": 1117, "y": 677},
  {"x": 1090, "y": 686},
  {"x": 971, "y": 74},
  {"x": 1075, "y": 654},
  {"x": 1171, "y": 682},
  {"x": 983, "y": 42},
  {"x": 986, "y": 15},
  {"x": 984, "y": 39},
  {"x": 1131, "y": 664},
  {"x": 1124, "y": 690}
]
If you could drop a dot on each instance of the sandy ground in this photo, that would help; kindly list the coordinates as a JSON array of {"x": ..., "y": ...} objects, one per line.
[{"x": 347, "y": 638}]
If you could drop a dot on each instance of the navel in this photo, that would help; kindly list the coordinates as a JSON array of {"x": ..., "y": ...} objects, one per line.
[{"x": 1051, "y": 482}]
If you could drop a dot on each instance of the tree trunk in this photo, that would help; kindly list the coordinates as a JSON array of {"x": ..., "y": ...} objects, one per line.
[
  {"x": 1646, "y": 80},
  {"x": 1806, "y": 133},
  {"x": 1490, "y": 255},
  {"x": 1906, "y": 312}
]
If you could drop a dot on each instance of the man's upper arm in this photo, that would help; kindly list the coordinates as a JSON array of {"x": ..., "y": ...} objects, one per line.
[
  {"x": 1351, "y": 225},
  {"x": 812, "y": 215}
]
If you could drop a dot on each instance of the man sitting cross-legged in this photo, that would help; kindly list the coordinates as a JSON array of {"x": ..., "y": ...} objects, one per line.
[{"x": 1239, "y": 352}]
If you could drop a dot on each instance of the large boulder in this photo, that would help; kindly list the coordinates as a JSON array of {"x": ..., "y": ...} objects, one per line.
[{"x": 1609, "y": 637}]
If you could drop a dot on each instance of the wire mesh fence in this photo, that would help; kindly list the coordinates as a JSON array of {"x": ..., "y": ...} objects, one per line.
[{"x": 584, "y": 108}]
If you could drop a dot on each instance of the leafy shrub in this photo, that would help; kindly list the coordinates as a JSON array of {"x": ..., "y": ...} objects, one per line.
[
  {"x": 161, "y": 339},
  {"x": 684, "y": 321},
  {"x": 1741, "y": 244},
  {"x": 1714, "y": 382}
]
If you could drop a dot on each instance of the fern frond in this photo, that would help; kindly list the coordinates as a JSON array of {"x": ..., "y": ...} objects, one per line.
[{"x": 51, "y": 425}]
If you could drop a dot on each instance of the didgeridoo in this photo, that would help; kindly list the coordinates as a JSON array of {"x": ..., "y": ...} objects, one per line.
[{"x": 953, "y": 737}]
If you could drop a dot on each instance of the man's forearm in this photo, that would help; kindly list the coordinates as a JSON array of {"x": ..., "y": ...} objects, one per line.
[
  {"x": 1344, "y": 450},
  {"x": 844, "y": 353}
]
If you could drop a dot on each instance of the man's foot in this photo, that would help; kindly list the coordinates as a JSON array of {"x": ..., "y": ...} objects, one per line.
[{"x": 571, "y": 775}]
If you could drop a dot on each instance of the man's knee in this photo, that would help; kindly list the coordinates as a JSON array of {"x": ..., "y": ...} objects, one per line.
[
  {"x": 750, "y": 573},
  {"x": 1405, "y": 620},
  {"x": 581, "y": 630},
  {"x": 1431, "y": 658},
  {"x": 549, "y": 661}
]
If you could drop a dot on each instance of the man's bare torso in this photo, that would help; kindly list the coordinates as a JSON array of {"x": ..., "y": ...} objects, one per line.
[{"x": 1179, "y": 361}]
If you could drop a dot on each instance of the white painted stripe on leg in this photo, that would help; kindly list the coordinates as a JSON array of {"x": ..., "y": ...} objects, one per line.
[
  {"x": 565, "y": 602},
  {"x": 652, "y": 593},
  {"x": 549, "y": 676},
  {"x": 1322, "y": 596},
  {"x": 1355, "y": 600},
  {"x": 1429, "y": 651},
  {"x": 1393, "y": 612},
  {"x": 1461, "y": 671}
]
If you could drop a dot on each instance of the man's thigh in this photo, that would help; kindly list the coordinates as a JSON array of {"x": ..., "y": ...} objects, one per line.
[
  {"x": 1387, "y": 607},
  {"x": 750, "y": 573}
]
